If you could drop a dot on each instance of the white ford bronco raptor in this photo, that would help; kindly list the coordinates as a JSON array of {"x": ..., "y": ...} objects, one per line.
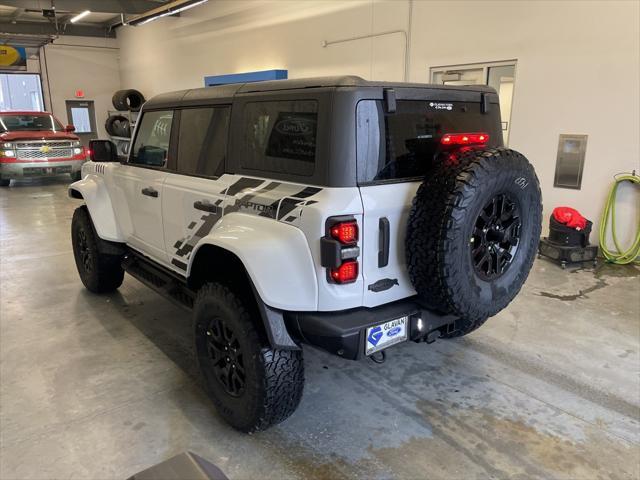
[{"x": 335, "y": 212}]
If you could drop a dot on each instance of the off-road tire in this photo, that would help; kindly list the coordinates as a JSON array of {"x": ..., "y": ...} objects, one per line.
[
  {"x": 274, "y": 379},
  {"x": 441, "y": 226},
  {"x": 100, "y": 273},
  {"x": 75, "y": 176},
  {"x": 5, "y": 182},
  {"x": 118, "y": 126},
  {"x": 130, "y": 99}
]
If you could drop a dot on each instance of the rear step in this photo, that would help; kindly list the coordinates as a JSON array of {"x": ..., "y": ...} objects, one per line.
[{"x": 163, "y": 281}]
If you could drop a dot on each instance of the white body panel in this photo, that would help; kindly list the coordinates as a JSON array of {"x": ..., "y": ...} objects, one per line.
[
  {"x": 273, "y": 227},
  {"x": 96, "y": 196},
  {"x": 393, "y": 202},
  {"x": 143, "y": 211},
  {"x": 276, "y": 256}
]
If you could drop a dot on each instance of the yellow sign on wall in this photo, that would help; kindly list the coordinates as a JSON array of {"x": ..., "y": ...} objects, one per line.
[{"x": 13, "y": 58}]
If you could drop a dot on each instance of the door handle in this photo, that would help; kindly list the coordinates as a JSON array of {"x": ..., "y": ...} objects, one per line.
[
  {"x": 205, "y": 207},
  {"x": 150, "y": 192},
  {"x": 383, "y": 253}
]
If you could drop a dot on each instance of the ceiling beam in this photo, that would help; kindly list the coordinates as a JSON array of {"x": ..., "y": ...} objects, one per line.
[
  {"x": 43, "y": 28},
  {"x": 132, "y": 7}
]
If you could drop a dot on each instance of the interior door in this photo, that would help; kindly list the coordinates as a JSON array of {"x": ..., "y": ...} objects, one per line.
[
  {"x": 82, "y": 115},
  {"x": 142, "y": 182}
]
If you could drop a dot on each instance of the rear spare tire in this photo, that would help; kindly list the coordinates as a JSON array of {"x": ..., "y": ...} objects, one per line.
[{"x": 473, "y": 233}]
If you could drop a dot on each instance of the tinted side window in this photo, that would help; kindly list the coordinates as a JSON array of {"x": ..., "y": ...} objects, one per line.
[
  {"x": 280, "y": 136},
  {"x": 203, "y": 141},
  {"x": 152, "y": 140}
]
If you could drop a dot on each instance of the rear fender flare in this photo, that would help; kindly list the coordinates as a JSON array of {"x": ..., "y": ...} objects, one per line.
[{"x": 276, "y": 256}]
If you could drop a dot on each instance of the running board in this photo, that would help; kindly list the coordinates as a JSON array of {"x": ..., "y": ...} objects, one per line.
[{"x": 163, "y": 281}]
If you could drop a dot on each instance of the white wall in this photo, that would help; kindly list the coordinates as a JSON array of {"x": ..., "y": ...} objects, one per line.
[
  {"x": 577, "y": 72},
  {"x": 89, "y": 64}
]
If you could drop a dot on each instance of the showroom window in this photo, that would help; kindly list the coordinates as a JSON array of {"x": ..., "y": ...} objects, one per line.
[
  {"x": 152, "y": 141},
  {"x": 281, "y": 136},
  {"x": 499, "y": 75},
  {"x": 202, "y": 143},
  {"x": 21, "y": 91}
]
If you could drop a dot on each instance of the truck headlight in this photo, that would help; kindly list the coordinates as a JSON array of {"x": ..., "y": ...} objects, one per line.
[
  {"x": 7, "y": 145},
  {"x": 77, "y": 151},
  {"x": 8, "y": 153},
  {"x": 75, "y": 144}
]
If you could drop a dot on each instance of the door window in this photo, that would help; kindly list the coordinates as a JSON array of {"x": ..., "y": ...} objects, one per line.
[
  {"x": 203, "y": 141},
  {"x": 80, "y": 119},
  {"x": 151, "y": 145}
]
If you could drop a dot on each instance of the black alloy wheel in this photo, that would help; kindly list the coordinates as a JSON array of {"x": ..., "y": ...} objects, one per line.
[
  {"x": 226, "y": 357},
  {"x": 86, "y": 254},
  {"x": 495, "y": 237}
]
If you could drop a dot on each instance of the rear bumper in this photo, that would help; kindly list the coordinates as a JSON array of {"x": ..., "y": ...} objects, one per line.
[
  {"x": 344, "y": 333},
  {"x": 39, "y": 169}
]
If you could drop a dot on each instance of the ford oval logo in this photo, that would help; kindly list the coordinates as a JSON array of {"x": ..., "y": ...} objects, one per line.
[
  {"x": 394, "y": 331},
  {"x": 295, "y": 126}
]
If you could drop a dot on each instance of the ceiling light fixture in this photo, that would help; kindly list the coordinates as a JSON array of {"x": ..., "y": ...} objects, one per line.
[
  {"x": 179, "y": 7},
  {"x": 80, "y": 16}
]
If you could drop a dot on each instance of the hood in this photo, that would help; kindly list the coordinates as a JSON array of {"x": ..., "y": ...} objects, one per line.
[{"x": 37, "y": 135}]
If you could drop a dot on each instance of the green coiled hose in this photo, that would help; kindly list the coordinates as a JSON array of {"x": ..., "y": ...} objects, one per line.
[{"x": 618, "y": 256}]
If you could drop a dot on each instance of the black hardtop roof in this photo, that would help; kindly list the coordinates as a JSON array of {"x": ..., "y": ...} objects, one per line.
[{"x": 205, "y": 95}]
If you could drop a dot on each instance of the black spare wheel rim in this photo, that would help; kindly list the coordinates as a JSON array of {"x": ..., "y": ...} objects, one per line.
[
  {"x": 225, "y": 357},
  {"x": 86, "y": 255},
  {"x": 473, "y": 233},
  {"x": 495, "y": 238}
]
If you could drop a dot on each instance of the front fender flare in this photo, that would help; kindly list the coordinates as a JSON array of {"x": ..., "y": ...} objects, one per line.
[
  {"x": 93, "y": 191},
  {"x": 275, "y": 255}
]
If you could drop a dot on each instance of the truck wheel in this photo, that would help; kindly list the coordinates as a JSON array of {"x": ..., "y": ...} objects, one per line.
[
  {"x": 473, "y": 233},
  {"x": 252, "y": 385},
  {"x": 99, "y": 273},
  {"x": 4, "y": 182}
]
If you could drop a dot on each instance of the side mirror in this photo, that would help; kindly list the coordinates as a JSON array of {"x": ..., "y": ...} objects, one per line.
[
  {"x": 69, "y": 128},
  {"x": 103, "y": 151}
]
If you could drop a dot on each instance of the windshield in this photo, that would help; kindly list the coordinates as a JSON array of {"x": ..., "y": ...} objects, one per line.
[{"x": 29, "y": 123}]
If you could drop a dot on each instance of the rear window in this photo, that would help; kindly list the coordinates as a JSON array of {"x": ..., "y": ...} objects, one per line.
[
  {"x": 405, "y": 144},
  {"x": 281, "y": 136}
]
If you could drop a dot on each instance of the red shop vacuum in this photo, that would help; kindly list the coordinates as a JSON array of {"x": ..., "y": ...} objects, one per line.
[{"x": 568, "y": 240}]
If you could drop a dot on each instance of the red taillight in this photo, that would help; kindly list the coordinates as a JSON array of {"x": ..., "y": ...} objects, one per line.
[
  {"x": 464, "y": 138},
  {"x": 345, "y": 273},
  {"x": 345, "y": 232}
]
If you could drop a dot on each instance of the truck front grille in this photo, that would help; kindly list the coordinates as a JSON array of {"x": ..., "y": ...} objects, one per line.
[{"x": 43, "y": 150}]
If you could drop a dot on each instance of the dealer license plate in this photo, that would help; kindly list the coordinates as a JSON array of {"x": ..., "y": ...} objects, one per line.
[{"x": 386, "y": 334}]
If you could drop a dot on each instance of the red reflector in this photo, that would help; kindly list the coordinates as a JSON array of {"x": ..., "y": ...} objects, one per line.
[
  {"x": 464, "y": 138},
  {"x": 345, "y": 273},
  {"x": 345, "y": 232}
]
